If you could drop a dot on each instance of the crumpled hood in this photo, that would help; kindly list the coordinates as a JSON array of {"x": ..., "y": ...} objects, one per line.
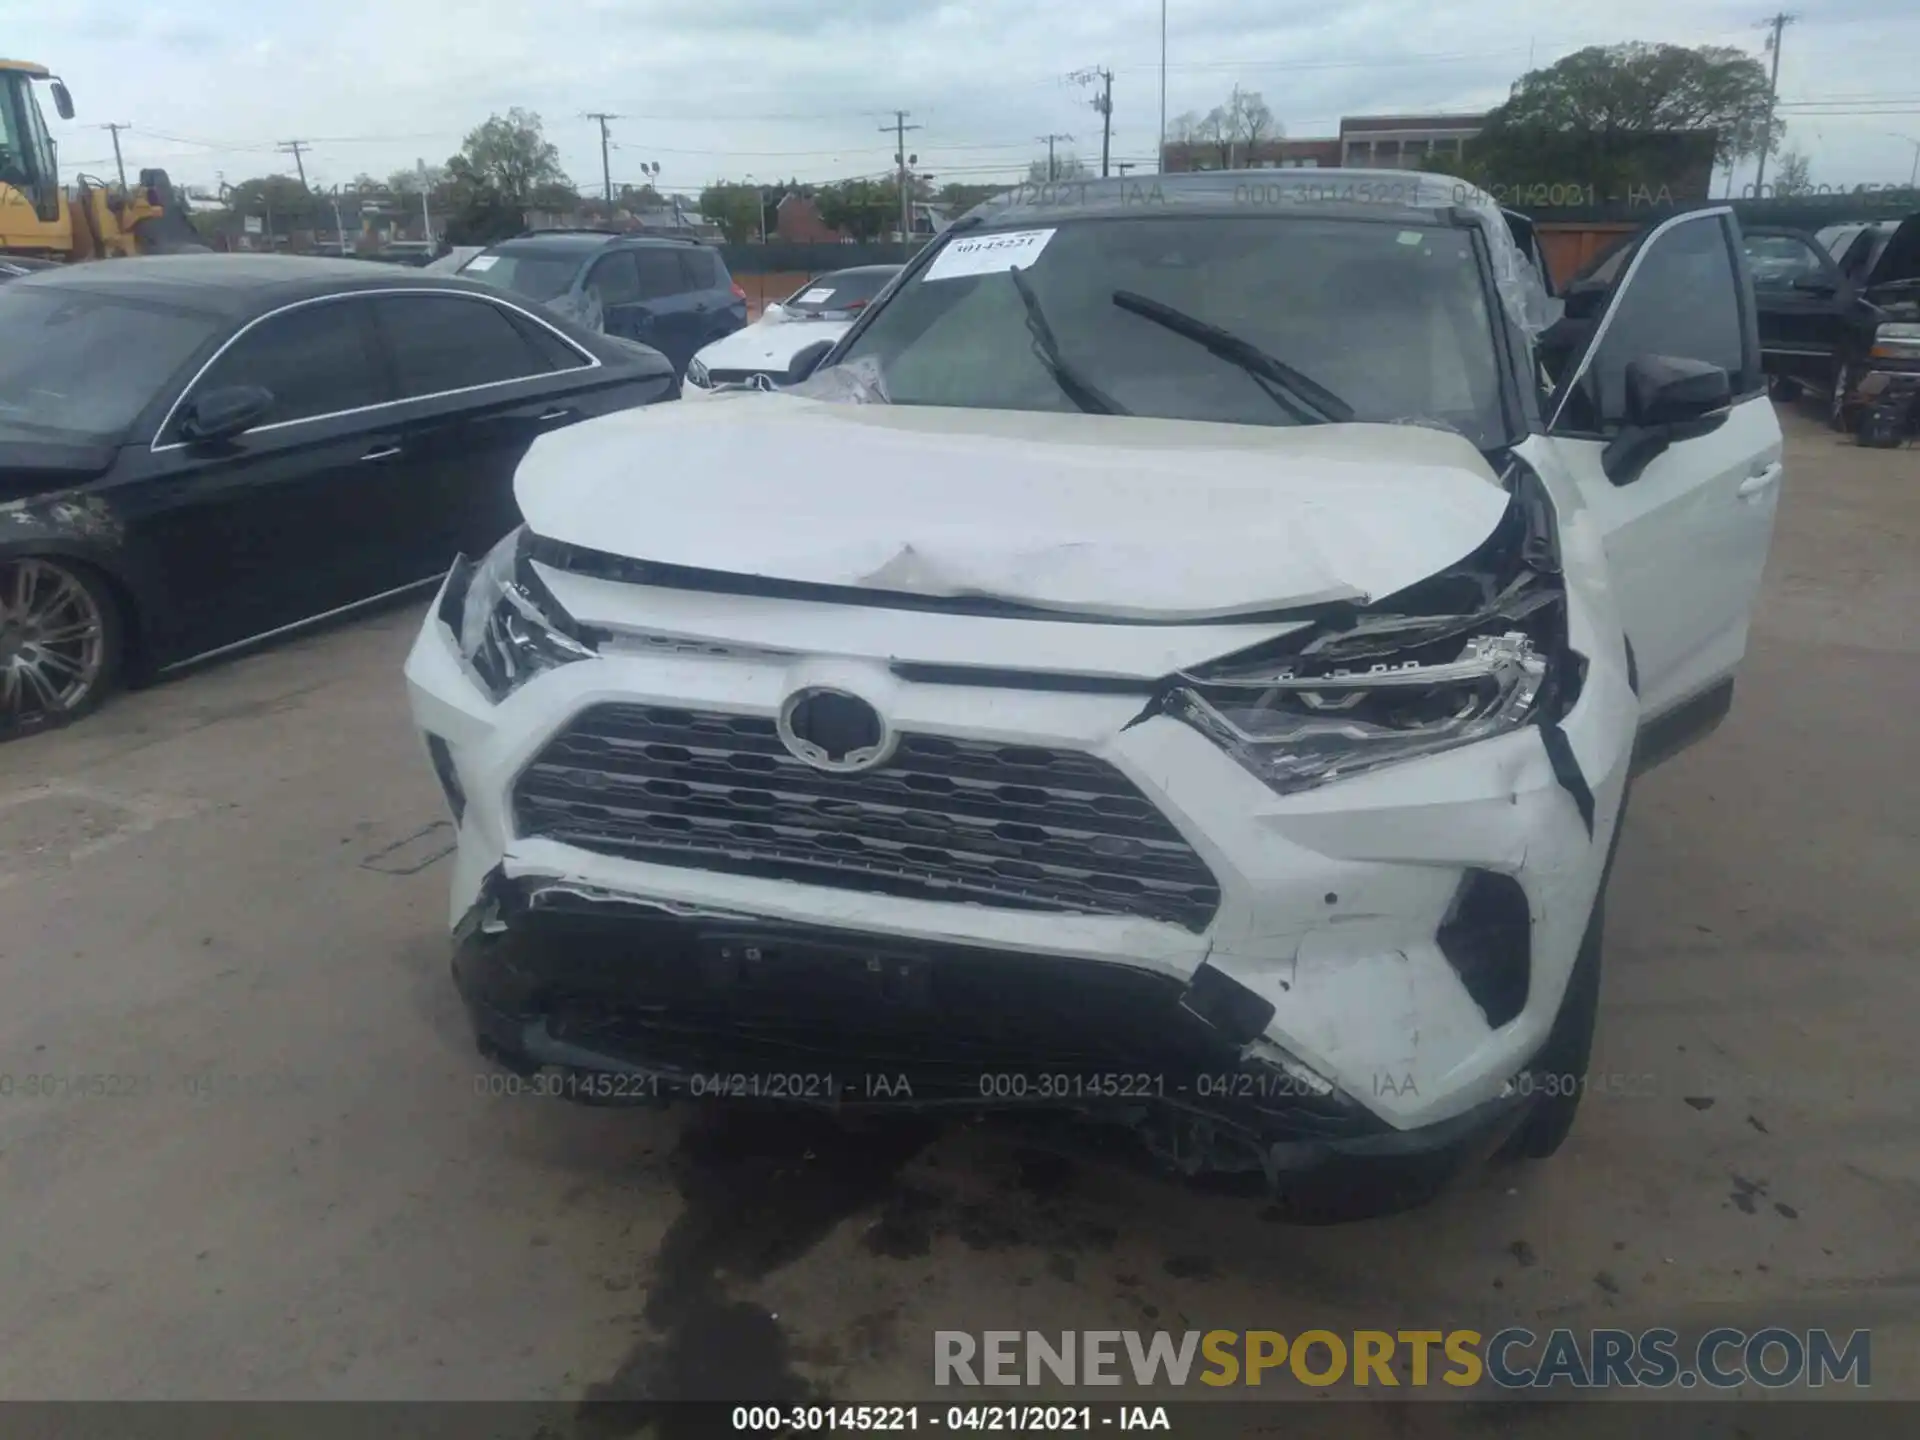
[
  {"x": 1129, "y": 517},
  {"x": 769, "y": 345}
]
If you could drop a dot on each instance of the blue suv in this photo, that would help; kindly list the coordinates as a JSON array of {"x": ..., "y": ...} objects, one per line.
[{"x": 672, "y": 294}]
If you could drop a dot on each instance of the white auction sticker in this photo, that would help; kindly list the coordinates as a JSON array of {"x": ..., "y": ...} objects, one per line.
[
  {"x": 986, "y": 254},
  {"x": 817, "y": 297},
  {"x": 483, "y": 262}
]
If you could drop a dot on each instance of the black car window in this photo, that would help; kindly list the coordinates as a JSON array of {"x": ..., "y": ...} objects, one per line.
[
  {"x": 559, "y": 354},
  {"x": 660, "y": 274},
  {"x": 698, "y": 266},
  {"x": 615, "y": 278},
  {"x": 1681, "y": 300},
  {"x": 1776, "y": 261},
  {"x": 451, "y": 342},
  {"x": 81, "y": 367},
  {"x": 314, "y": 358}
]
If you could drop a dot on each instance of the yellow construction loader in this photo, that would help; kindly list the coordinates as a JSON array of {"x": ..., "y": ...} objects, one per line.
[{"x": 39, "y": 217}]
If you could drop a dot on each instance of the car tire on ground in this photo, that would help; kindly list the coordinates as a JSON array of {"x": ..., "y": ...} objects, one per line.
[
  {"x": 61, "y": 642},
  {"x": 1837, "y": 416}
]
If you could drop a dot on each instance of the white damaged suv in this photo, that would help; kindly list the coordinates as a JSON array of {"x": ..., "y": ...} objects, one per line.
[{"x": 1180, "y": 659}]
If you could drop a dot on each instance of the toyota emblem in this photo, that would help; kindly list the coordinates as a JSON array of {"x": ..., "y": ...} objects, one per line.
[{"x": 834, "y": 730}]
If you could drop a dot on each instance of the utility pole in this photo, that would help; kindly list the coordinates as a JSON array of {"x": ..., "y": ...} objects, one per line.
[
  {"x": 901, "y": 162},
  {"x": 1913, "y": 175},
  {"x": 1103, "y": 102},
  {"x": 118, "y": 164},
  {"x": 1160, "y": 159},
  {"x": 606, "y": 171},
  {"x": 1052, "y": 172},
  {"x": 296, "y": 148},
  {"x": 1781, "y": 19},
  {"x": 426, "y": 209}
]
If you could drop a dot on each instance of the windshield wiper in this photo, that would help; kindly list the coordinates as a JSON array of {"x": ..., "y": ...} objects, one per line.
[
  {"x": 1082, "y": 391},
  {"x": 1300, "y": 394}
]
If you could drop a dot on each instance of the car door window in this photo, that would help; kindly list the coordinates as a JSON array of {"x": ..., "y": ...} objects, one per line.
[
  {"x": 660, "y": 274},
  {"x": 559, "y": 354},
  {"x": 451, "y": 342},
  {"x": 1777, "y": 261},
  {"x": 697, "y": 268},
  {"x": 314, "y": 358},
  {"x": 1681, "y": 298},
  {"x": 615, "y": 279}
]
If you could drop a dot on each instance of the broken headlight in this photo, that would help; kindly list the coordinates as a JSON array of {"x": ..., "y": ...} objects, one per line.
[
  {"x": 1390, "y": 689},
  {"x": 510, "y": 627}
]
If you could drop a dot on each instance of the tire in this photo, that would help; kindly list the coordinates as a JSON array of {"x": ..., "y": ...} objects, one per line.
[
  {"x": 62, "y": 642},
  {"x": 1837, "y": 417}
]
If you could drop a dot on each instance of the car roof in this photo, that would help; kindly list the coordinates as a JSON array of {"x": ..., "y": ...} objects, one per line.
[
  {"x": 239, "y": 284},
  {"x": 1413, "y": 195},
  {"x": 586, "y": 240},
  {"x": 862, "y": 270}
]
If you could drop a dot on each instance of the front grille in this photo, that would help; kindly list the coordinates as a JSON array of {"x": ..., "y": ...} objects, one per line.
[
  {"x": 956, "y": 820},
  {"x": 745, "y": 377}
]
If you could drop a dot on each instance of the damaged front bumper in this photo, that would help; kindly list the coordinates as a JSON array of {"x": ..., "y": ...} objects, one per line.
[
  {"x": 1304, "y": 983},
  {"x": 618, "y": 1001}
]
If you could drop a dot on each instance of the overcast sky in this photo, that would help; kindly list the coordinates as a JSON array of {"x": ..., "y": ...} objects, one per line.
[{"x": 730, "y": 88}]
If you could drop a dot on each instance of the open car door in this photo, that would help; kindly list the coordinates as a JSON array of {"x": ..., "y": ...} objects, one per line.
[{"x": 1660, "y": 420}]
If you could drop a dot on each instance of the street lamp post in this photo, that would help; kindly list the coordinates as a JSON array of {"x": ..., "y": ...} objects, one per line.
[{"x": 1913, "y": 174}]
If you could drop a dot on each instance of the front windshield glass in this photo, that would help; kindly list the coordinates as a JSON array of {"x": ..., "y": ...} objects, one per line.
[
  {"x": 1392, "y": 320},
  {"x": 80, "y": 367},
  {"x": 837, "y": 293},
  {"x": 535, "y": 274}
]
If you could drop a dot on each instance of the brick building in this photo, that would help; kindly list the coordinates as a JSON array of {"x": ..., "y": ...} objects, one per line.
[{"x": 1383, "y": 142}]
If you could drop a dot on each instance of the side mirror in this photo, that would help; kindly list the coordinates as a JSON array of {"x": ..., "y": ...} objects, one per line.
[
  {"x": 1668, "y": 398},
  {"x": 62, "y": 101},
  {"x": 1815, "y": 284},
  {"x": 1586, "y": 299},
  {"x": 808, "y": 360},
  {"x": 221, "y": 413}
]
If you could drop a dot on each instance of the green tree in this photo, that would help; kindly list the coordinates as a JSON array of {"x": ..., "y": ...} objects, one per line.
[
  {"x": 960, "y": 197},
  {"x": 290, "y": 204},
  {"x": 735, "y": 207},
  {"x": 1608, "y": 90},
  {"x": 407, "y": 182},
  {"x": 505, "y": 168},
  {"x": 864, "y": 209}
]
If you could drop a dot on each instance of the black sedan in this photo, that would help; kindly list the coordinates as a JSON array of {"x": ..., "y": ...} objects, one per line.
[{"x": 197, "y": 451}]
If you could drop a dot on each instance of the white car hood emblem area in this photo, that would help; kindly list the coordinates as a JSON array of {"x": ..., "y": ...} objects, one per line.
[
  {"x": 1096, "y": 516},
  {"x": 835, "y": 730}
]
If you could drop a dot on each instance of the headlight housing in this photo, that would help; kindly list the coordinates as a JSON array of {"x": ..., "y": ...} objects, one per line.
[
  {"x": 697, "y": 375},
  {"x": 1899, "y": 340},
  {"x": 1390, "y": 689},
  {"x": 509, "y": 627}
]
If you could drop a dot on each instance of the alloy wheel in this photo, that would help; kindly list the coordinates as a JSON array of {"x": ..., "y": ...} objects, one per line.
[{"x": 53, "y": 642}]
